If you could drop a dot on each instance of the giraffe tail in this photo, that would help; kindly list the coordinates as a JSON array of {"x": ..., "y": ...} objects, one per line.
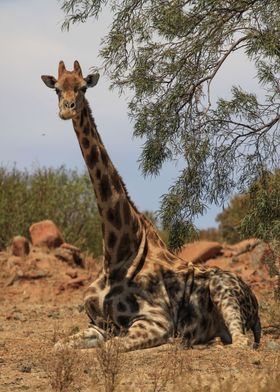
[{"x": 257, "y": 329}]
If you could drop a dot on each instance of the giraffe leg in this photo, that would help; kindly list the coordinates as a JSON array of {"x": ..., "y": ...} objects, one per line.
[
  {"x": 89, "y": 338},
  {"x": 143, "y": 334},
  {"x": 230, "y": 311}
]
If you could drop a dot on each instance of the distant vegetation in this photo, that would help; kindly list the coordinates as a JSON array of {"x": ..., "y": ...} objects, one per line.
[
  {"x": 62, "y": 195},
  {"x": 255, "y": 213}
]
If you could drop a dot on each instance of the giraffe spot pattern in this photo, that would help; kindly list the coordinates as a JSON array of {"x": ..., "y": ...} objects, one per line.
[
  {"x": 105, "y": 188},
  {"x": 81, "y": 120},
  {"x": 104, "y": 156},
  {"x": 114, "y": 216},
  {"x": 86, "y": 129},
  {"x": 115, "y": 178},
  {"x": 123, "y": 321},
  {"x": 121, "y": 307},
  {"x": 93, "y": 157},
  {"x": 98, "y": 174},
  {"x": 85, "y": 142},
  {"x": 124, "y": 247},
  {"x": 112, "y": 240},
  {"x": 126, "y": 212},
  {"x": 132, "y": 303}
]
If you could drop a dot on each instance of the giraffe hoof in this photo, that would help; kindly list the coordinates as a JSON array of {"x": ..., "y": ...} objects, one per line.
[{"x": 241, "y": 342}]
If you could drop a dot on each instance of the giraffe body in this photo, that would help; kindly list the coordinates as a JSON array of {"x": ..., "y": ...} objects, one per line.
[{"x": 145, "y": 294}]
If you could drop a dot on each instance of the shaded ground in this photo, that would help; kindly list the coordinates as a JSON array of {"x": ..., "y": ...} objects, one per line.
[{"x": 40, "y": 300}]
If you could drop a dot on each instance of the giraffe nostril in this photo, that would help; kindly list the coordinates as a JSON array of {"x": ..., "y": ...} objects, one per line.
[{"x": 69, "y": 105}]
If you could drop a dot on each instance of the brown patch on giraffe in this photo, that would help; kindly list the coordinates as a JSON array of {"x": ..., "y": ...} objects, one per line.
[
  {"x": 93, "y": 157},
  {"x": 108, "y": 307},
  {"x": 81, "y": 120},
  {"x": 121, "y": 307},
  {"x": 126, "y": 212},
  {"x": 104, "y": 156},
  {"x": 114, "y": 216},
  {"x": 115, "y": 178},
  {"x": 117, "y": 275},
  {"x": 135, "y": 226},
  {"x": 112, "y": 239},
  {"x": 85, "y": 142},
  {"x": 132, "y": 303},
  {"x": 107, "y": 258},
  {"x": 102, "y": 283},
  {"x": 98, "y": 174},
  {"x": 105, "y": 188},
  {"x": 116, "y": 290},
  {"x": 91, "y": 306},
  {"x": 141, "y": 326},
  {"x": 124, "y": 247},
  {"x": 86, "y": 129},
  {"x": 91, "y": 290},
  {"x": 85, "y": 113},
  {"x": 153, "y": 284},
  {"x": 123, "y": 321}
]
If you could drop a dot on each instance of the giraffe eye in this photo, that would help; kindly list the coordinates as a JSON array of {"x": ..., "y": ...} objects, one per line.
[{"x": 57, "y": 91}]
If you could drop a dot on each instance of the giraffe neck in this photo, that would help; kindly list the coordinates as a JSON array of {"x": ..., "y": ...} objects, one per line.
[{"x": 121, "y": 222}]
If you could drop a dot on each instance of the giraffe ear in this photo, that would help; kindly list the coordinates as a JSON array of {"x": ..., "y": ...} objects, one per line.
[
  {"x": 49, "y": 81},
  {"x": 92, "y": 79}
]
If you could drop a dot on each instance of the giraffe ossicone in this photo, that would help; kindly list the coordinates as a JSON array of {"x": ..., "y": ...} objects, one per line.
[{"x": 144, "y": 294}]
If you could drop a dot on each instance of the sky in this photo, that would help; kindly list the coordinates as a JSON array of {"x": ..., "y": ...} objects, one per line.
[{"x": 31, "y": 133}]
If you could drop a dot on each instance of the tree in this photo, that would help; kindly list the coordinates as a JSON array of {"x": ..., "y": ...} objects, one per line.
[
  {"x": 231, "y": 217},
  {"x": 169, "y": 53},
  {"x": 257, "y": 214}
]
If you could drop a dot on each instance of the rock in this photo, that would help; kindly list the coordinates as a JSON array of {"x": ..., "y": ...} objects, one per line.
[
  {"x": 20, "y": 246},
  {"x": 71, "y": 255},
  {"x": 25, "y": 369},
  {"x": 200, "y": 251},
  {"x": 77, "y": 282},
  {"x": 72, "y": 274},
  {"x": 45, "y": 233}
]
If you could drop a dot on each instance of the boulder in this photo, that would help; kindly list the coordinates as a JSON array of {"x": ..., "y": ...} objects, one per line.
[
  {"x": 200, "y": 251},
  {"x": 20, "y": 246},
  {"x": 45, "y": 233}
]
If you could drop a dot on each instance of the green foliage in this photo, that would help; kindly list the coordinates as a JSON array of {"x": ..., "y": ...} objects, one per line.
[
  {"x": 231, "y": 217},
  {"x": 211, "y": 234},
  {"x": 255, "y": 213},
  {"x": 262, "y": 219},
  {"x": 62, "y": 195},
  {"x": 169, "y": 53}
]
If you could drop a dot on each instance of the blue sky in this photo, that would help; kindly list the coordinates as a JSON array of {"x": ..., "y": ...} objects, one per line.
[{"x": 31, "y": 44}]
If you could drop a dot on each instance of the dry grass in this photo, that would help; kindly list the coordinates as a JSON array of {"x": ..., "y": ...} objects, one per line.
[
  {"x": 110, "y": 360},
  {"x": 169, "y": 368},
  {"x": 63, "y": 369}
]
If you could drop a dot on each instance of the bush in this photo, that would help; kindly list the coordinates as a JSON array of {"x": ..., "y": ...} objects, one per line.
[{"x": 62, "y": 195}]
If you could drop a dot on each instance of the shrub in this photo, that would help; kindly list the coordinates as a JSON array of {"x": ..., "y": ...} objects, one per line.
[{"x": 62, "y": 195}]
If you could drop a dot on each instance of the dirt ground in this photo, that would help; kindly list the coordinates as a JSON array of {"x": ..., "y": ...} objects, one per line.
[{"x": 40, "y": 301}]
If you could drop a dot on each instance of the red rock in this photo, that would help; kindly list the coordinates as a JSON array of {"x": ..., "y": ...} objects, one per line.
[
  {"x": 20, "y": 246},
  {"x": 70, "y": 247},
  {"x": 200, "y": 251},
  {"x": 45, "y": 233},
  {"x": 77, "y": 282}
]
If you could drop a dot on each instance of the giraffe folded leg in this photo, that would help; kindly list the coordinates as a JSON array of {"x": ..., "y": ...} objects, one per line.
[
  {"x": 143, "y": 334},
  {"x": 89, "y": 338}
]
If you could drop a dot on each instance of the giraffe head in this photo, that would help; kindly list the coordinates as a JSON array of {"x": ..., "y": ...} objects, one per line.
[{"x": 70, "y": 88}]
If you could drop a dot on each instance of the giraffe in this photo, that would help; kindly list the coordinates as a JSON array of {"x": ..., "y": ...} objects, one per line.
[{"x": 147, "y": 293}]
